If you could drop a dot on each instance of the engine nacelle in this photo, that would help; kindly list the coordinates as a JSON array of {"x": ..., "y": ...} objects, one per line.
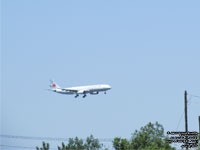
[
  {"x": 94, "y": 93},
  {"x": 81, "y": 92}
]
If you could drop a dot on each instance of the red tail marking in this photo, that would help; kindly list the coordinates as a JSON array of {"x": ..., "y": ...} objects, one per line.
[{"x": 54, "y": 85}]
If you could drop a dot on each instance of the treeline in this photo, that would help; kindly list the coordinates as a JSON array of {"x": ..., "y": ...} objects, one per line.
[{"x": 149, "y": 137}]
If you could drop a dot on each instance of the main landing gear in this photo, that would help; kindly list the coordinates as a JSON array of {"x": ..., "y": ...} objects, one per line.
[
  {"x": 76, "y": 96},
  {"x": 105, "y": 92}
]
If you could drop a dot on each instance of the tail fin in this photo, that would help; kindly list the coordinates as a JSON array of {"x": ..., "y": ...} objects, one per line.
[{"x": 53, "y": 85}]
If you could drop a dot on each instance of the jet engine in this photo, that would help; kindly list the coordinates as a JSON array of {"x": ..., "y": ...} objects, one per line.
[
  {"x": 81, "y": 92},
  {"x": 94, "y": 93}
]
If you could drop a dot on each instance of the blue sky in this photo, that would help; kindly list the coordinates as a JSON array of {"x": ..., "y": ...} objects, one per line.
[{"x": 148, "y": 51}]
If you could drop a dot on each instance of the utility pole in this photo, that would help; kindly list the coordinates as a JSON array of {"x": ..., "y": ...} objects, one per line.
[
  {"x": 199, "y": 129},
  {"x": 186, "y": 120}
]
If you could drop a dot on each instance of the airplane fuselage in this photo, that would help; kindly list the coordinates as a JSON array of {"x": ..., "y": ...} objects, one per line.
[{"x": 90, "y": 89}]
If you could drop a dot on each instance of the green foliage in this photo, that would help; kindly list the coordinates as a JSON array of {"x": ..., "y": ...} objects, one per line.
[
  {"x": 77, "y": 144},
  {"x": 199, "y": 142},
  {"x": 121, "y": 144},
  {"x": 150, "y": 137},
  {"x": 92, "y": 143},
  {"x": 45, "y": 146}
]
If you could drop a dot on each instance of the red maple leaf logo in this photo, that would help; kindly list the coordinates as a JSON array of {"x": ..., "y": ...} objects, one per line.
[{"x": 54, "y": 85}]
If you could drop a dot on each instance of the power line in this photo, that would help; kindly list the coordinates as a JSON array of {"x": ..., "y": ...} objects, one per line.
[
  {"x": 14, "y": 146},
  {"x": 180, "y": 121},
  {"x": 33, "y": 138},
  {"x": 45, "y": 138},
  {"x": 194, "y": 95},
  {"x": 189, "y": 102},
  {"x": 20, "y": 147}
]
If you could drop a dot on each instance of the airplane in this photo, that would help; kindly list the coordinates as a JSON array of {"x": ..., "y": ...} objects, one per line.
[{"x": 90, "y": 89}]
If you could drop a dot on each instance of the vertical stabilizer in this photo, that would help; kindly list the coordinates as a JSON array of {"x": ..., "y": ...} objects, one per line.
[{"x": 53, "y": 85}]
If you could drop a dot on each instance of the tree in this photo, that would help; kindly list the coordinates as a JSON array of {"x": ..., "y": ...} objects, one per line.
[
  {"x": 149, "y": 137},
  {"x": 73, "y": 144},
  {"x": 77, "y": 144},
  {"x": 45, "y": 146},
  {"x": 199, "y": 142},
  {"x": 121, "y": 144},
  {"x": 92, "y": 143}
]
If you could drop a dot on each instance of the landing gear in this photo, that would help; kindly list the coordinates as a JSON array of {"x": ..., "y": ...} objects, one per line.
[
  {"x": 105, "y": 92},
  {"x": 76, "y": 96},
  {"x": 84, "y": 95}
]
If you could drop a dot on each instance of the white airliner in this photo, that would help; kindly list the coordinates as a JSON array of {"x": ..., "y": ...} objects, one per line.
[{"x": 90, "y": 89}]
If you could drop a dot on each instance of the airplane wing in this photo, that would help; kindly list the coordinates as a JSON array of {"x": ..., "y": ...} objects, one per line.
[
  {"x": 81, "y": 91},
  {"x": 76, "y": 91},
  {"x": 70, "y": 90}
]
